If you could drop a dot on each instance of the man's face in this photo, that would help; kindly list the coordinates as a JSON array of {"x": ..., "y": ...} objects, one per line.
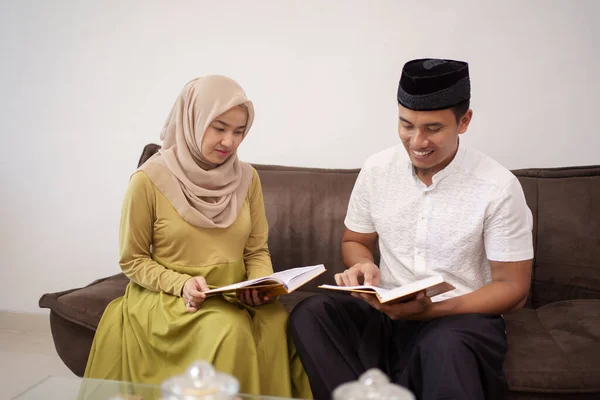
[{"x": 431, "y": 137}]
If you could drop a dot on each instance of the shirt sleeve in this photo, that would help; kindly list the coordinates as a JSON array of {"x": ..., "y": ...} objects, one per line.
[
  {"x": 508, "y": 226},
  {"x": 358, "y": 218},
  {"x": 256, "y": 252},
  {"x": 135, "y": 238}
]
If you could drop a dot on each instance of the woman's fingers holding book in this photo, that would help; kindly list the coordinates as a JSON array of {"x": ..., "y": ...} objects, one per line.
[
  {"x": 192, "y": 290},
  {"x": 245, "y": 296},
  {"x": 270, "y": 299},
  {"x": 253, "y": 297},
  {"x": 201, "y": 284},
  {"x": 256, "y": 298},
  {"x": 191, "y": 307},
  {"x": 260, "y": 297}
]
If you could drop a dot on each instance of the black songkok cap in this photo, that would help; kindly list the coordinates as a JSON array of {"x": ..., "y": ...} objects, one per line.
[{"x": 433, "y": 84}]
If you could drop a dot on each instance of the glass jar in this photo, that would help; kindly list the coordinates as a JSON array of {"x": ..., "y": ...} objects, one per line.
[
  {"x": 372, "y": 385},
  {"x": 200, "y": 382}
]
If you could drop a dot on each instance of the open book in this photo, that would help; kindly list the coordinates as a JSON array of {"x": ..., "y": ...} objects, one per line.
[
  {"x": 432, "y": 286},
  {"x": 279, "y": 283}
]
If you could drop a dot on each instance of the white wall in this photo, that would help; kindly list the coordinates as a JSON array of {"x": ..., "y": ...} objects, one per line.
[{"x": 84, "y": 85}]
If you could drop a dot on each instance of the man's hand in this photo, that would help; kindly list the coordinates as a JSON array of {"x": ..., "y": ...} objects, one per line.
[
  {"x": 416, "y": 309},
  {"x": 365, "y": 273},
  {"x": 192, "y": 293},
  {"x": 254, "y": 298}
]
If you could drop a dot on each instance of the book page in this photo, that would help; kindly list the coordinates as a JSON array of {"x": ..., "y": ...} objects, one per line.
[
  {"x": 411, "y": 288},
  {"x": 236, "y": 286},
  {"x": 283, "y": 278},
  {"x": 289, "y": 275},
  {"x": 360, "y": 288},
  {"x": 433, "y": 285},
  {"x": 306, "y": 276},
  {"x": 225, "y": 288}
]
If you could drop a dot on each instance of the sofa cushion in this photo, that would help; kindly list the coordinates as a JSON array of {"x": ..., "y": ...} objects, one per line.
[
  {"x": 554, "y": 348},
  {"x": 85, "y": 306}
]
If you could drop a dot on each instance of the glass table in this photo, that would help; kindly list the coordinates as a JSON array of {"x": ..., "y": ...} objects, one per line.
[{"x": 71, "y": 388}]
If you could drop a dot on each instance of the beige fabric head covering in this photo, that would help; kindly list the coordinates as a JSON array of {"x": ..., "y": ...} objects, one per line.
[{"x": 204, "y": 194}]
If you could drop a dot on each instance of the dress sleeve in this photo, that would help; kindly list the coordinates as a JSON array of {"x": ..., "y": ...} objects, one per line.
[
  {"x": 256, "y": 252},
  {"x": 135, "y": 239}
]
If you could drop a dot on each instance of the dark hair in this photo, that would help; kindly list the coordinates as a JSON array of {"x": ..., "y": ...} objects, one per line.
[{"x": 461, "y": 109}]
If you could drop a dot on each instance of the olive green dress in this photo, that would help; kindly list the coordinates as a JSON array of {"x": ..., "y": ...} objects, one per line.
[{"x": 147, "y": 336}]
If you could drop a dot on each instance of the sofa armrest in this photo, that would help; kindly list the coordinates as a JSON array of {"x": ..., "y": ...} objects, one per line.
[{"x": 85, "y": 306}]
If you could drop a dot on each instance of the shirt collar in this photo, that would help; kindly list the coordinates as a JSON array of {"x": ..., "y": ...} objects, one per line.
[{"x": 455, "y": 164}]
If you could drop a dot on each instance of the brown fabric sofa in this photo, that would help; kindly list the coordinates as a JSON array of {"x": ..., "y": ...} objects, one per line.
[{"x": 553, "y": 344}]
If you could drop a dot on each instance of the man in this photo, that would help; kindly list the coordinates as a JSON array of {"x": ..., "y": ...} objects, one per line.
[{"x": 446, "y": 209}]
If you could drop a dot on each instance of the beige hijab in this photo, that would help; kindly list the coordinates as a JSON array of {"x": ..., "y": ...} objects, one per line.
[{"x": 204, "y": 194}]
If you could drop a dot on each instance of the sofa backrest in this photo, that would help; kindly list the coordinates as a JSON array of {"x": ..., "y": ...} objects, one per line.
[
  {"x": 306, "y": 208},
  {"x": 566, "y": 207}
]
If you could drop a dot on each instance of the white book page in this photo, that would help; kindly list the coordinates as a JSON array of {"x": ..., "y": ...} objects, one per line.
[
  {"x": 412, "y": 287},
  {"x": 381, "y": 291},
  {"x": 299, "y": 273},
  {"x": 308, "y": 275},
  {"x": 240, "y": 285},
  {"x": 282, "y": 277}
]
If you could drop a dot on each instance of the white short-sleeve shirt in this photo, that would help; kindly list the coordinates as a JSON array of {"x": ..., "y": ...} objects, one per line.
[{"x": 474, "y": 211}]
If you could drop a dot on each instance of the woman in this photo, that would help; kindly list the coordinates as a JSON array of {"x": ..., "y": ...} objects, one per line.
[{"x": 193, "y": 218}]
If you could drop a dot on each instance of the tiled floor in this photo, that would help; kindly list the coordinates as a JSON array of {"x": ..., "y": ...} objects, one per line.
[{"x": 27, "y": 353}]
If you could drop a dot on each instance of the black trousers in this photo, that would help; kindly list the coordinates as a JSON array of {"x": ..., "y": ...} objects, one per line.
[{"x": 338, "y": 337}]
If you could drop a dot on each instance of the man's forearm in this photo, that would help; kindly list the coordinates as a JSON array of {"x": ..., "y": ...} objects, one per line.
[
  {"x": 494, "y": 298},
  {"x": 354, "y": 253}
]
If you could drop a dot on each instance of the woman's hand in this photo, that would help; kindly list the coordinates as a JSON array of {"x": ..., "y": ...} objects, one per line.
[
  {"x": 192, "y": 293},
  {"x": 254, "y": 298}
]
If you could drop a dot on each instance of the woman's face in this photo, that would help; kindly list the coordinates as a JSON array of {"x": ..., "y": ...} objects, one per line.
[{"x": 224, "y": 135}]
